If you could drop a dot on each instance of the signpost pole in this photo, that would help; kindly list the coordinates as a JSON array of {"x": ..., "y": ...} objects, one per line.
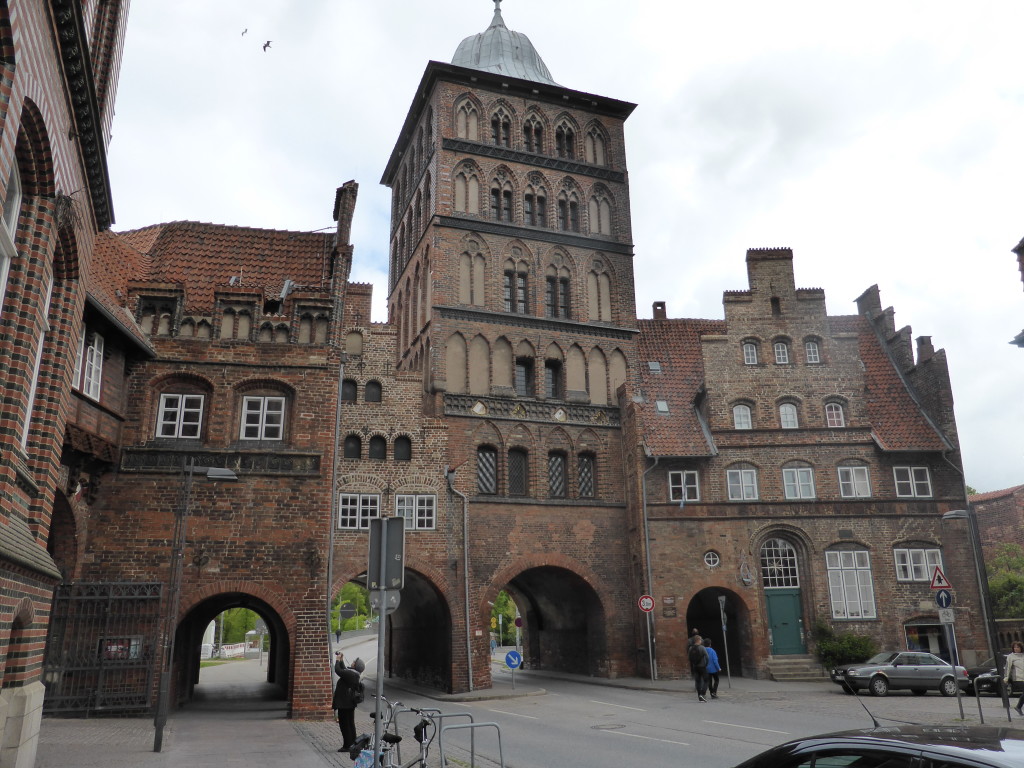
[{"x": 725, "y": 639}]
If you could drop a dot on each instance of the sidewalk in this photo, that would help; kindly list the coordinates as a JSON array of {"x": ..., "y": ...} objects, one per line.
[{"x": 236, "y": 723}]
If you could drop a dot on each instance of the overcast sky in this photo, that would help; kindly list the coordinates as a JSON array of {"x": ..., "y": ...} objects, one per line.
[{"x": 882, "y": 141}]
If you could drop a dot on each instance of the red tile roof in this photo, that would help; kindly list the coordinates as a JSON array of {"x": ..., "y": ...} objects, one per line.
[
  {"x": 898, "y": 422},
  {"x": 204, "y": 257},
  {"x": 979, "y": 498},
  {"x": 114, "y": 264},
  {"x": 675, "y": 344}
]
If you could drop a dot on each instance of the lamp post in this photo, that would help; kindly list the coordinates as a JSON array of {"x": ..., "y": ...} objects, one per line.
[
  {"x": 174, "y": 590},
  {"x": 979, "y": 571}
]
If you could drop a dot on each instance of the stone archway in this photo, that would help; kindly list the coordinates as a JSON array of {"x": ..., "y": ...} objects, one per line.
[{"x": 732, "y": 641}]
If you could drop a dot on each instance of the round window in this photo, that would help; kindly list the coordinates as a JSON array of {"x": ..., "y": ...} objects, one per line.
[{"x": 712, "y": 559}]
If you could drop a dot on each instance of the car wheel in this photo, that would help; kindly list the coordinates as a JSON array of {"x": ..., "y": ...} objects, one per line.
[
  {"x": 948, "y": 686},
  {"x": 878, "y": 686},
  {"x": 920, "y": 691}
]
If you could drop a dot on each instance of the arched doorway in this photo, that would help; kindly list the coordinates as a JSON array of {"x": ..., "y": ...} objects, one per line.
[
  {"x": 419, "y": 635},
  {"x": 563, "y": 621},
  {"x": 780, "y": 578},
  {"x": 189, "y": 638},
  {"x": 721, "y": 615}
]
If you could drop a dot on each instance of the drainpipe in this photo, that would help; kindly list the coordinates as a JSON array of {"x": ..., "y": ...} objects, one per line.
[
  {"x": 334, "y": 498},
  {"x": 465, "y": 569},
  {"x": 652, "y": 642}
]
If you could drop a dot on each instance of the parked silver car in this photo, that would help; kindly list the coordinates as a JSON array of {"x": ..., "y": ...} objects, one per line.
[{"x": 901, "y": 670}]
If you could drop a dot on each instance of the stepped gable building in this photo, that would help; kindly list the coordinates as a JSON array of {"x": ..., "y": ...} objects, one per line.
[
  {"x": 59, "y": 63},
  {"x": 792, "y": 467}
]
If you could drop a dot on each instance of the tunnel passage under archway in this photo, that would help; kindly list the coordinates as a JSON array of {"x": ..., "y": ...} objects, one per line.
[
  {"x": 732, "y": 639},
  {"x": 189, "y": 638},
  {"x": 563, "y": 621},
  {"x": 419, "y": 635}
]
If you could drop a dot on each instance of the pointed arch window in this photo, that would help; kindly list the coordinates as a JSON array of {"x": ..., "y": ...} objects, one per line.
[
  {"x": 501, "y": 129},
  {"x": 565, "y": 141},
  {"x": 556, "y": 292},
  {"x": 594, "y": 151},
  {"x": 600, "y": 215},
  {"x": 586, "y": 473},
  {"x": 501, "y": 201},
  {"x": 515, "y": 288},
  {"x": 568, "y": 212},
  {"x": 556, "y": 475},
  {"x": 466, "y": 121},
  {"x": 535, "y": 207},
  {"x": 533, "y": 135}
]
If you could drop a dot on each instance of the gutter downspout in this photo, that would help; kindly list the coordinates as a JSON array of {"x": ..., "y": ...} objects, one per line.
[
  {"x": 334, "y": 500},
  {"x": 450, "y": 474},
  {"x": 652, "y": 642}
]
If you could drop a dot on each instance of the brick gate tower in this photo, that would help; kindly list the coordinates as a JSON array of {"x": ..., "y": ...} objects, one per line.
[{"x": 511, "y": 291}]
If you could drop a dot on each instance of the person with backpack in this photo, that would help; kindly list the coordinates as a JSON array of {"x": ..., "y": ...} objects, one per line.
[
  {"x": 714, "y": 667},
  {"x": 698, "y": 657},
  {"x": 347, "y": 694}
]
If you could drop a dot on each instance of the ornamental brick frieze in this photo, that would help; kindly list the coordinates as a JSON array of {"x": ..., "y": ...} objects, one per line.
[
  {"x": 534, "y": 233},
  {"x": 466, "y": 147},
  {"x": 531, "y": 410},
  {"x": 245, "y": 462},
  {"x": 536, "y": 323}
]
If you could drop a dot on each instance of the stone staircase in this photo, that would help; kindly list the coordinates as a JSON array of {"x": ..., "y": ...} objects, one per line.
[{"x": 802, "y": 669}]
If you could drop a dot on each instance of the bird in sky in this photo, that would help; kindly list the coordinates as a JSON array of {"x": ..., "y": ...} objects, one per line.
[
  {"x": 266, "y": 45},
  {"x": 244, "y": 31}
]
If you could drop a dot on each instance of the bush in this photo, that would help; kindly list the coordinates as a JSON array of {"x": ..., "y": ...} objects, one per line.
[{"x": 841, "y": 647}]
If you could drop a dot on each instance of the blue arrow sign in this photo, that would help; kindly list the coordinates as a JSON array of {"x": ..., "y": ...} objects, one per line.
[
  {"x": 943, "y": 598},
  {"x": 513, "y": 659}
]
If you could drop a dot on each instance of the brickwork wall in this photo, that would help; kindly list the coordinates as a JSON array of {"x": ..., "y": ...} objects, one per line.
[{"x": 1000, "y": 518}]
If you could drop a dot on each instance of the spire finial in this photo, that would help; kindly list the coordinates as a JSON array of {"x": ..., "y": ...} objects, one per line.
[
  {"x": 497, "y": 5},
  {"x": 497, "y": 21}
]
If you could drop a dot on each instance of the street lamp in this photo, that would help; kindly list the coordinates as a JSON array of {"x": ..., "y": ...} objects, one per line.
[
  {"x": 174, "y": 596},
  {"x": 979, "y": 571}
]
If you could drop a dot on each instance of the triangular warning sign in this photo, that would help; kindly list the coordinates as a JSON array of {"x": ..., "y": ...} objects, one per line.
[{"x": 939, "y": 580}]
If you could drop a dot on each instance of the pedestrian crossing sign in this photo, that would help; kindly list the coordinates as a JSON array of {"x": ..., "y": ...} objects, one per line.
[{"x": 939, "y": 580}]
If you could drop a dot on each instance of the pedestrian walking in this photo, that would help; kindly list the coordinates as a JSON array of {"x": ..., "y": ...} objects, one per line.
[
  {"x": 713, "y": 668},
  {"x": 1014, "y": 675},
  {"x": 347, "y": 694},
  {"x": 698, "y": 657},
  {"x": 694, "y": 634}
]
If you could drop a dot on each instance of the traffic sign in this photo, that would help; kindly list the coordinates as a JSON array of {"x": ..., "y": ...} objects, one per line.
[
  {"x": 347, "y": 611},
  {"x": 513, "y": 659},
  {"x": 943, "y": 598},
  {"x": 646, "y": 603},
  {"x": 939, "y": 580},
  {"x": 946, "y": 615}
]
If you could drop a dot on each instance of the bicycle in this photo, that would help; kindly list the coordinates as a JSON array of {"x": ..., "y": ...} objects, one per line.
[{"x": 425, "y": 731}]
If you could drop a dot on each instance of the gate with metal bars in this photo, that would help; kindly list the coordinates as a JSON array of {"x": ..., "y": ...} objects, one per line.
[{"x": 102, "y": 648}]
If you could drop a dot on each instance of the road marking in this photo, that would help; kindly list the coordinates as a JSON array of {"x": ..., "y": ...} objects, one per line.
[
  {"x": 649, "y": 738},
  {"x": 620, "y": 706},
  {"x": 514, "y": 714},
  {"x": 748, "y": 727}
]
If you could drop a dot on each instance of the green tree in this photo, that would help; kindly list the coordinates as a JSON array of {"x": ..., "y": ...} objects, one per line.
[
  {"x": 237, "y": 621},
  {"x": 971, "y": 491},
  {"x": 1006, "y": 581},
  {"x": 357, "y": 595},
  {"x": 506, "y": 609}
]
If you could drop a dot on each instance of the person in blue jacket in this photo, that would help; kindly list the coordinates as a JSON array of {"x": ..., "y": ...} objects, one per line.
[{"x": 713, "y": 669}]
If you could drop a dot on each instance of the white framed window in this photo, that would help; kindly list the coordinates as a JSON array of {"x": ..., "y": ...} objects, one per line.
[
  {"x": 916, "y": 564},
  {"x": 749, "y": 353},
  {"x": 780, "y": 567},
  {"x": 811, "y": 351},
  {"x": 355, "y": 510},
  {"x": 912, "y": 482},
  {"x": 788, "y": 418},
  {"x": 92, "y": 366},
  {"x": 11, "y": 209},
  {"x": 181, "y": 416},
  {"x": 849, "y": 584},
  {"x": 742, "y": 484},
  {"x": 44, "y": 328},
  {"x": 798, "y": 482},
  {"x": 781, "y": 352},
  {"x": 419, "y": 511},
  {"x": 834, "y": 416},
  {"x": 741, "y": 417},
  {"x": 854, "y": 483},
  {"x": 262, "y": 418},
  {"x": 683, "y": 486}
]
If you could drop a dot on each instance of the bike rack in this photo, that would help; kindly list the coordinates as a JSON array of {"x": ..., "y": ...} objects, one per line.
[
  {"x": 472, "y": 741},
  {"x": 440, "y": 717}
]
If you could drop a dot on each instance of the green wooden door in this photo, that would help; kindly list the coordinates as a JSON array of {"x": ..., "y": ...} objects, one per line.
[{"x": 784, "y": 618}]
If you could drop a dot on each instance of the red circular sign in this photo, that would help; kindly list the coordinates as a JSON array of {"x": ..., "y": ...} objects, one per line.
[{"x": 646, "y": 603}]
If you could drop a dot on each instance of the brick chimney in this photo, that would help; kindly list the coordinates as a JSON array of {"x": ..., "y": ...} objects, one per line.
[{"x": 659, "y": 310}]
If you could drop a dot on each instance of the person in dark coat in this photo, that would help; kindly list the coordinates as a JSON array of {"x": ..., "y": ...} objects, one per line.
[
  {"x": 698, "y": 658},
  {"x": 344, "y": 699}
]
